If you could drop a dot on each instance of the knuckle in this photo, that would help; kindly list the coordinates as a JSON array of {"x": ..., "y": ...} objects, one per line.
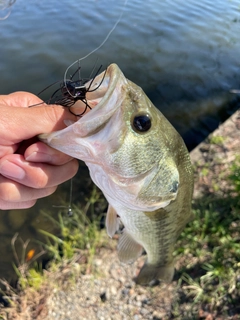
[{"x": 52, "y": 113}]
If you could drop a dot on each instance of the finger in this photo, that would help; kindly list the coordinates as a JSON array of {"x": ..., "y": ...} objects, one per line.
[
  {"x": 30, "y": 122},
  {"x": 36, "y": 175},
  {"x": 20, "y": 99},
  {"x": 8, "y": 149},
  {"x": 40, "y": 152},
  {"x": 5, "y": 205},
  {"x": 15, "y": 194}
]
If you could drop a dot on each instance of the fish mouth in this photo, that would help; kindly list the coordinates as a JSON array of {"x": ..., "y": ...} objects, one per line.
[
  {"x": 84, "y": 139},
  {"x": 103, "y": 92},
  {"x": 104, "y": 95}
]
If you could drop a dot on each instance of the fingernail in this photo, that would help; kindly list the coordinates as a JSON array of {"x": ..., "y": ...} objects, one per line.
[
  {"x": 11, "y": 170},
  {"x": 39, "y": 157}
]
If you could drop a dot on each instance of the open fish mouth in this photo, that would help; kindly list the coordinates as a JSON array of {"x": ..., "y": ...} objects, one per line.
[
  {"x": 104, "y": 94},
  {"x": 104, "y": 98},
  {"x": 102, "y": 91}
]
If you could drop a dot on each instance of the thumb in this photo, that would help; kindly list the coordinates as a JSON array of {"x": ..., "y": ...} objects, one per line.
[{"x": 17, "y": 124}]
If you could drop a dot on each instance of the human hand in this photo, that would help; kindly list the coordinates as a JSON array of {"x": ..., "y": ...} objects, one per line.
[{"x": 29, "y": 169}]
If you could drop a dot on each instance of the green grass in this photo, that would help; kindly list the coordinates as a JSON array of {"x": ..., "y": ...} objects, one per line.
[
  {"x": 78, "y": 238},
  {"x": 78, "y": 232},
  {"x": 210, "y": 277},
  {"x": 70, "y": 253},
  {"x": 217, "y": 140},
  {"x": 235, "y": 175}
]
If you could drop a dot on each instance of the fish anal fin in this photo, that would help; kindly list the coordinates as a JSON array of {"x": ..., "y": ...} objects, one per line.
[
  {"x": 128, "y": 249},
  {"x": 112, "y": 221},
  {"x": 150, "y": 273}
]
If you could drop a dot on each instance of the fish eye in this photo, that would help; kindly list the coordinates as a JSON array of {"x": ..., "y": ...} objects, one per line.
[{"x": 141, "y": 123}]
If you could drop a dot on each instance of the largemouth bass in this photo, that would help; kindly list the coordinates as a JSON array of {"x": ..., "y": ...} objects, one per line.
[{"x": 142, "y": 166}]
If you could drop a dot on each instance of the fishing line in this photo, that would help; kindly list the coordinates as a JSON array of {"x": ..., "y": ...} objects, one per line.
[
  {"x": 6, "y": 5},
  {"x": 96, "y": 49},
  {"x": 70, "y": 213}
]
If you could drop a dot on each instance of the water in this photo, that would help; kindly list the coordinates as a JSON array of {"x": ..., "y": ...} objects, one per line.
[
  {"x": 181, "y": 53},
  {"x": 184, "y": 54}
]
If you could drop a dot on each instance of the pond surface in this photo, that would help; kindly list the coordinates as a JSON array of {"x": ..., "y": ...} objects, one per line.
[{"x": 184, "y": 54}]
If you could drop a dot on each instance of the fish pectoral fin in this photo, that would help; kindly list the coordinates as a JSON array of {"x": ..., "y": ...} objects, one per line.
[
  {"x": 112, "y": 221},
  {"x": 150, "y": 273},
  {"x": 128, "y": 249}
]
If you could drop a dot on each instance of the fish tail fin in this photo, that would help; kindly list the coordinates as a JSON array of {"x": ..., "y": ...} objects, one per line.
[{"x": 150, "y": 273}]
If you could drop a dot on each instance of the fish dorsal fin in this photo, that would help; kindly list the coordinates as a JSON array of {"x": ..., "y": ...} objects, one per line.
[
  {"x": 128, "y": 249},
  {"x": 112, "y": 221}
]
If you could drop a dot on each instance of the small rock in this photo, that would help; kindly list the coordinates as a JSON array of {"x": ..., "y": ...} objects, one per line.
[
  {"x": 144, "y": 312},
  {"x": 103, "y": 297},
  {"x": 98, "y": 262},
  {"x": 113, "y": 290}
]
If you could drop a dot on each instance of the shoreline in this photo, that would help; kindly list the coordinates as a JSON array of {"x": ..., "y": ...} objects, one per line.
[{"x": 215, "y": 154}]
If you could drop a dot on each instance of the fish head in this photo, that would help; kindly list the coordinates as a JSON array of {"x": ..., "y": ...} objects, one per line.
[{"x": 129, "y": 146}]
